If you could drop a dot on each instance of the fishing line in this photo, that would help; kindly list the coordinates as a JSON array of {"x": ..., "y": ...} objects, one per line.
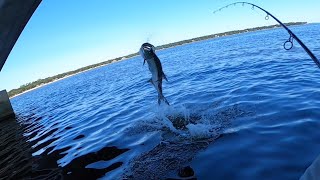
[
  {"x": 148, "y": 38},
  {"x": 287, "y": 45}
]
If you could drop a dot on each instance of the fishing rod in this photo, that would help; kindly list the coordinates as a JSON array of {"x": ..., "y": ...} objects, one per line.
[{"x": 287, "y": 44}]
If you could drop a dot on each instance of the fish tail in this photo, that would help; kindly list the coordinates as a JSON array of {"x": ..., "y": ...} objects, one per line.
[{"x": 161, "y": 98}]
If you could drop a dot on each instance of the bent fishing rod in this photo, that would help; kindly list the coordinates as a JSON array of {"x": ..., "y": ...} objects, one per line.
[{"x": 291, "y": 37}]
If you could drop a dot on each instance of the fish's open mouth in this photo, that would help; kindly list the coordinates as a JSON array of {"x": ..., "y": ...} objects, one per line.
[{"x": 147, "y": 48}]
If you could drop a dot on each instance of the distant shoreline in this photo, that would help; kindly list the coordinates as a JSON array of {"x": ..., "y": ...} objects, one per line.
[
  {"x": 43, "y": 82},
  {"x": 41, "y": 85}
]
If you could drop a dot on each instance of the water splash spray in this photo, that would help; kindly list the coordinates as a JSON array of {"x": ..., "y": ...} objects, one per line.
[{"x": 287, "y": 44}]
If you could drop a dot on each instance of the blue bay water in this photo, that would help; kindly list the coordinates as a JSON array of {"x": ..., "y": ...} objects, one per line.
[{"x": 251, "y": 109}]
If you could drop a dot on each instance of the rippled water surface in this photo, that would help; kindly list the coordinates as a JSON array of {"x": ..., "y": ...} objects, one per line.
[{"x": 242, "y": 108}]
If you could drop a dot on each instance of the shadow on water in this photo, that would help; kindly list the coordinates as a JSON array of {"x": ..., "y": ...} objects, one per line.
[
  {"x": 14, "y": 155},
  {"x": 183, "y": 135},
  {"x": 17, "y": 161}
]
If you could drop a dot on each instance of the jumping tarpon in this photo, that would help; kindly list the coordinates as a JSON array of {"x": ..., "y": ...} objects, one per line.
[{"x": 147, "y": 51}]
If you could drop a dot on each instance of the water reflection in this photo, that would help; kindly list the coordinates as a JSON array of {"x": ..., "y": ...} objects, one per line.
[{"x": 17, "y": 161}]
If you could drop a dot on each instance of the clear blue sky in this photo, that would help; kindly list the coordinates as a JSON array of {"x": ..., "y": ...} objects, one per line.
[{"x": 66, "y": 35}]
